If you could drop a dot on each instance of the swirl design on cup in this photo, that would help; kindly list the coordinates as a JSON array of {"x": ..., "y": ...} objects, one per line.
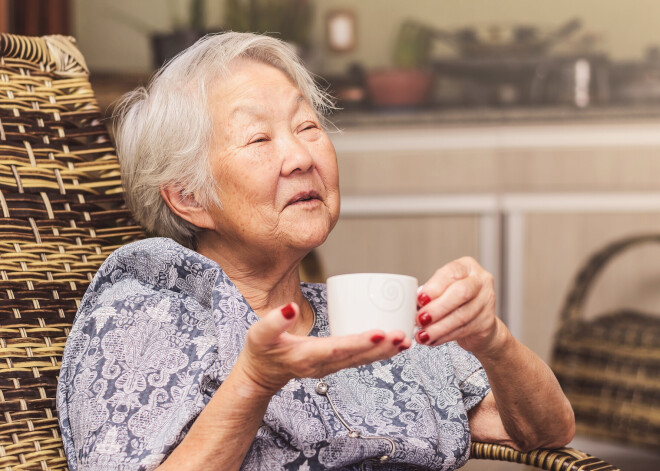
[{"x": 386, "y": 294}]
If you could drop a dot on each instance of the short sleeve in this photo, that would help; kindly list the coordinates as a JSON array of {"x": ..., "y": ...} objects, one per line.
[
  {"x": 470, "y": 375},
  {"x": 130, "y": 384}
]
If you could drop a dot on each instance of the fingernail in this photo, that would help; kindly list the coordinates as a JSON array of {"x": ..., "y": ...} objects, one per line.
[
  {"x": 402, "y": 348},
  {"x": 397, "y": 341},
  {"x": 423, "y": 299},
  {"x": 423, "y": 336},
  {"x": 424, "y": 319},
  {"x": 377, "y": 338},
  {"x": 288, "y": 312}
]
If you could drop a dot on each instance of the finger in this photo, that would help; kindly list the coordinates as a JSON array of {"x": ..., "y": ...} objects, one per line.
[
  {"x": 478, "y": 329},
  {"x": 472, "y": 336},
  {"x": 454, "y": 335},
  {"x": 442, "y": 279},
  {"x": 464, "y": 317},
  {"x": 275, "y": 323},
  {"x": 330, "y": 354},
  {"x": 393, "y": 343},
  {"x": 459, "y": 293},
  {"x": 340, "y": 350}
]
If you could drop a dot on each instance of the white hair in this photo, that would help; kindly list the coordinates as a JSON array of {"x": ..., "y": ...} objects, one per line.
[{"x": 164, "y": 132}]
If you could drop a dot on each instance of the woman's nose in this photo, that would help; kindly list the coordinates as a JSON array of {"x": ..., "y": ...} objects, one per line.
[{"x": 296, "y": 156}]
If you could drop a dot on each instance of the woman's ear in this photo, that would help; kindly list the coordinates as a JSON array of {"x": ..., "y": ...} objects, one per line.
[{"x": 186, "y": 207}]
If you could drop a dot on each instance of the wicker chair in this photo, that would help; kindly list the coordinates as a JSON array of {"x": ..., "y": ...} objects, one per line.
[{"x": 62, "y": 214}]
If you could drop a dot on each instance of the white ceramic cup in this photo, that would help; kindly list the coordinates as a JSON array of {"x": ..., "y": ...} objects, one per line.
[{"x": 358, "y": 302}]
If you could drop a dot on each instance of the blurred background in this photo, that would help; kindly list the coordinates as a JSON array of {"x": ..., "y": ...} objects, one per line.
[{"x": 525, "y": 134}]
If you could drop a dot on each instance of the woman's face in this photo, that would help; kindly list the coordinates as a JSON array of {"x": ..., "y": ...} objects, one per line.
[{"x": 275, "y": 167}]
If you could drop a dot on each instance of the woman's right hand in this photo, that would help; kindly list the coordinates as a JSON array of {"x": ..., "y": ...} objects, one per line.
[{"x": 272, "y": 356}]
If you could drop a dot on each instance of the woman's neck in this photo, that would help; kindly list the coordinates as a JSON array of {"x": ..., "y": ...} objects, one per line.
[{"x": 265, "y": 282}]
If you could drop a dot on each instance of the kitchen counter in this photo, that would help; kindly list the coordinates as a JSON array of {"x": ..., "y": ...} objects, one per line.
[
  {"x": 459, "y": 116},
  {"x": 110, "y": 87}
]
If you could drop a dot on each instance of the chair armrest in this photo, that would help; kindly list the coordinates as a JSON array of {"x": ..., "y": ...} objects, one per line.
[{"x": 560, "y": 459}]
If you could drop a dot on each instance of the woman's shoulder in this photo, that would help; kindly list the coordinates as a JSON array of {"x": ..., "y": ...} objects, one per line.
[
  {"x": 154, "y": 284},
  {"x": 152, "y": 289},
  {"x": 159, "y": 263},
  {"x": 149, "y": 257}
]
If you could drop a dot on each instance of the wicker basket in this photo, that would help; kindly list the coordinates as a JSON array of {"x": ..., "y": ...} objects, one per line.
[{"x": 610, "y": 367}]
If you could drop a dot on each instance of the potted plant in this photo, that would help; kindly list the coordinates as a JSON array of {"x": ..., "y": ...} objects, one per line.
[
  {"x": 289, "y": 20},
  {"x": 408, "y": 83}
]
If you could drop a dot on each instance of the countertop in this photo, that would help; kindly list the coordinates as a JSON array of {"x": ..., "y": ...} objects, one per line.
[
  {"x": 109, "y": 88},
  {"x": 492, "y": 116}
]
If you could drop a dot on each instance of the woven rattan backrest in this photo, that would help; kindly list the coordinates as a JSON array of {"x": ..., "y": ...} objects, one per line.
[{"x": 61, "y": 214}]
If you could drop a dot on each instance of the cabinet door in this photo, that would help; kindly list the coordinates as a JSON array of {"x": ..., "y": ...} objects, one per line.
[{"x": 555, "y": 248}]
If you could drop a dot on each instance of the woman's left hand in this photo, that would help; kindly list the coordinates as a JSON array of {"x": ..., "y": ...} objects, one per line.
[
  {"x": 458, "y": 303},
  {"x": 526, "y": 408}
]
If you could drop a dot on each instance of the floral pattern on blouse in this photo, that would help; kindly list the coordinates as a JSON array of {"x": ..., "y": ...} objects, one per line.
[{"x": 159, "y": 330}]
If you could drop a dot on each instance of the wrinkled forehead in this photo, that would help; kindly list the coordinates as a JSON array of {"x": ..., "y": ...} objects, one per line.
[
  {"x": 249, "y": 84},
  {"x": 202, "y": 78},
  {"x": 266, "y": 70}
]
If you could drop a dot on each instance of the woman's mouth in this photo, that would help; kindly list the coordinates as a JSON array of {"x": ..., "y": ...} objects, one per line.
[{"x": 304, "y": 197}]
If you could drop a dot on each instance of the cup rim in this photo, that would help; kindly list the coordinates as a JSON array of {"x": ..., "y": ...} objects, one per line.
[{"x": 365, "y": 274}]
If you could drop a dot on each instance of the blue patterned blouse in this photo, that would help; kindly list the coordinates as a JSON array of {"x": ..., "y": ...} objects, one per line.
[{"x": 160, "y": 328}]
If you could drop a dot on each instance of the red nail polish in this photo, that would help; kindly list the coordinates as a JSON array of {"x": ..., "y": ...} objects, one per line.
[
  {"x": 288, "y": 312},
  {"x": 423, "y": 299},
  {"x": 402, "y": 348},
  {"x": 397, "y": 341},
  {"x": 424, "y": 319},
  {"x": 423, "y": 336},
  {"x": 377, "y": 338}
]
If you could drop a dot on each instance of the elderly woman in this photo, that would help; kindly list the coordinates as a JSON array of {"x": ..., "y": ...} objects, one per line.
[{"x": 202, "y": 349}]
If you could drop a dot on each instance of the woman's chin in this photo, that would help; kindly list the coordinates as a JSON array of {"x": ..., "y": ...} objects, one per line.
[
  {"x": 309, "y": 237},
  {"x": 310, "y": 243},
  {"x": 307, "y": 229}
]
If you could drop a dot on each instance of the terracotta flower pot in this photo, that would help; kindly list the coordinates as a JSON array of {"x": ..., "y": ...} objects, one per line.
[{"x": 399, "y": 87}]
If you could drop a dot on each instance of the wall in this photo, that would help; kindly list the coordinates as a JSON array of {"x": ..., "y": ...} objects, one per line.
[
  {"x": 111, "y": 44},
  {"x": 563, "y": 191}
]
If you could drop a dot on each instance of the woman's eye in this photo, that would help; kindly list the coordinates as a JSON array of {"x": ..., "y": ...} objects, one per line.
[
  {"x": 307, "y": 127},
  {"x": 258, "y": 139}
]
